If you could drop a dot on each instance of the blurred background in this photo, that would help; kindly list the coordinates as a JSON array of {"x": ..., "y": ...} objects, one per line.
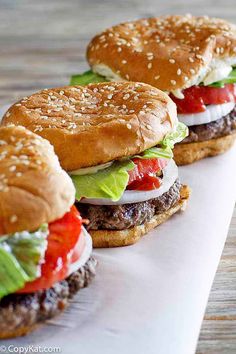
[{"x": 43, "y": 42}]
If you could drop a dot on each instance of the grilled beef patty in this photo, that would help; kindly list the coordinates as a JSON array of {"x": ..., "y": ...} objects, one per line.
[
  {"x": 19, "y": 311},
  {"x": 120, "y": 217},
  {"x": 219, "y": 128}
]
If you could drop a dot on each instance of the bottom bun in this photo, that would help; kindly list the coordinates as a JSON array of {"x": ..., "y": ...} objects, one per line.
[
  {"x": 187, "y": 153},
  {"x": 21, "y": 313},
  {"x": 118, "y": 238}
]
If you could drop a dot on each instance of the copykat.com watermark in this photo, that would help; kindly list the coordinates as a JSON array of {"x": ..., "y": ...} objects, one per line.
[{"x": 28, "y": 349}]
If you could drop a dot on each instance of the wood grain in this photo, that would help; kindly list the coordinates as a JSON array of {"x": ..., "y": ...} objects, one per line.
[
  {"x": 218, "y": 333},
  {"x": 43, "y": 42}
]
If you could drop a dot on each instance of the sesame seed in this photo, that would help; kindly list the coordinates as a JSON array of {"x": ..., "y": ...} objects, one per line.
[
  {"x": 172, "y": 61},
  {"x": 13, "y": 219},
  {"x": 173, "y": 82},
  {"x": 179, "y": 72},
  {"x": 25, "y": 162},
  {"x": 129, "y": 126},
  {"x": 38, "y": 128},
  {"x": 12, "y": 168},
  {"x": 157, "y": 77},
  {"x": 149, "y": 65},
  {"x": 126, "y": 96},
  {"x": 124, "y": 61}
]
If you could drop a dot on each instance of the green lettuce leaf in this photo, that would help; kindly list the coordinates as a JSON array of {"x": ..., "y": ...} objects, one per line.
[
  {"x": 155, "y": 152},
  {"x": 12, "y": 276},
  {"x": 175, "y": 137},
  {"x": 109, "y": 183},
  {"x": 86, "y": 78},
  {"x": 20, "y": 258},
  {"x": 166, "y": 145},
  {"x": 230, "y": 79}
]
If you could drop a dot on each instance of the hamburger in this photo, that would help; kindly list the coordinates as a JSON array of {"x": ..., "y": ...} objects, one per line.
[
  {"x": 191, "y": 58},
  {"x": 115, "y": 140},
  {"x": 45, "y": 254}
]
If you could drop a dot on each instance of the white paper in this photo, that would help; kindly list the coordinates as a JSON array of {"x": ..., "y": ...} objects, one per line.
[{"x": 151, "y": 297}]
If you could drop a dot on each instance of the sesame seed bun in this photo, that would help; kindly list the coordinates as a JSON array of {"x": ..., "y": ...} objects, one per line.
[
  {"x": 98, "y": 123},
  {"x": 169, "y": 52},
  {"x": 118, "y": 238},
  {"x": 33, "y": 187},
  {"x": 186, "y": 153}
]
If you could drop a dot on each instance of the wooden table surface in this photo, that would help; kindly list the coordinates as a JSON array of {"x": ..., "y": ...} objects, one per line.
[{"x": 43, "y": 42}]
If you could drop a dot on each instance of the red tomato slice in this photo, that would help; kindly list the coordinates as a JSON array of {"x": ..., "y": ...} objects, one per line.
[
  {"x": 146, "y": 184},
  {"x": 65, "y": 245},
  {"x": 142, "y": 177},
  {"x": 197, "y": 97}
]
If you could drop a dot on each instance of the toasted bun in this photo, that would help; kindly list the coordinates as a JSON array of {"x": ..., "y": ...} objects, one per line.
[
  {"x": 185, "y": 154},
  {"x": 33, "y": 187},
  {"x": 109, "y": 238},
  {"x": 18, "y": 332},
  {"x": 98, "y": 123},
  {"x": 169, "y": 52}
]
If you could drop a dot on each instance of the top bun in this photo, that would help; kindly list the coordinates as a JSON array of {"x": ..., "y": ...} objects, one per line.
[
  {"x": 98, "y": 123},
  {"x": 169, "y": 52},
  {"x": 33, "y": 187}
]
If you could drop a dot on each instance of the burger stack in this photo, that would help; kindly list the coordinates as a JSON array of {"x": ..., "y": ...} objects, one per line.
[{"x": 95, "y": 162}]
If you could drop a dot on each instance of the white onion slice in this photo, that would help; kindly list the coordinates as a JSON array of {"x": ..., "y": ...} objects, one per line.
[
  {"x": 211, "y": 114},
  {"x": 85, "y": 255},
  {"x": 170, "y": 174}
]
